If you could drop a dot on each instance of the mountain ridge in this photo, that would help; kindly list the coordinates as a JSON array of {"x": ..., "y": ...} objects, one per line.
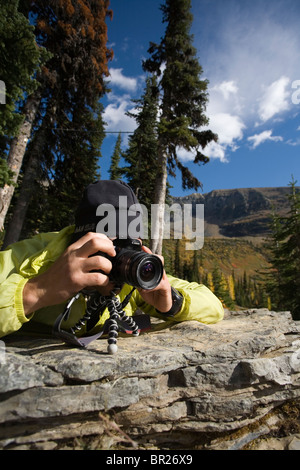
[{"x": 239, "y": 212}]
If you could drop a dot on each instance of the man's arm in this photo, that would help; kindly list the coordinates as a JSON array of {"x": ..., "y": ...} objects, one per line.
[
  {"x": 199, "y": 303},
  {"x": 73, "y": 271},
  {"x": 23, "y": 290}
]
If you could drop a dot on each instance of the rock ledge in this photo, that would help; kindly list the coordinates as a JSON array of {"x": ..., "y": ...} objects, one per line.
[{"x": 188, "y": 386}]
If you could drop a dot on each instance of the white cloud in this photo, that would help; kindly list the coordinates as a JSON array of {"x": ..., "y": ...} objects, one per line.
[
  {"x": 184, "y": 155},
  {"x": 119, "y": 104},
  {"x": 228, "y": 127},
  {"x": 118, "y": 79},
  {"x": 293, "y": 143},
  {"x": 115, "y": 116},
  {"x": 251, "y": 57},
  {"x": 212, "y": 150},
  {"x": 227, "y": 89},
  {"x": 275, "y": 100},
  {"x": 259, "y": 139},
  {"x": 216, "y": 150},
  {"x": 252, "y": 47}
]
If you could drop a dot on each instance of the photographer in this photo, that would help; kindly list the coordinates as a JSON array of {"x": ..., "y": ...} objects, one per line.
[{"x": 38, "y": 276}]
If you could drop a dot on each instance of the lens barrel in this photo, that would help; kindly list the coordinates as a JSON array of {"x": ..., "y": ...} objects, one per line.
[{"x": 137, "y": 269}]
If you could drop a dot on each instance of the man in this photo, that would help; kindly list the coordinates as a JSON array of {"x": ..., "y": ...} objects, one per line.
[{"x": 38, "y": 276}]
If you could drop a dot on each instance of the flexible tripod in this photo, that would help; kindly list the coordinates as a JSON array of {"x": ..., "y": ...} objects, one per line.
[{"x": 96, "y": 304}]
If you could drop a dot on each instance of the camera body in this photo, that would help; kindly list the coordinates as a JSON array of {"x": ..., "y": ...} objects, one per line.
[{"x": 133, "y": 266}]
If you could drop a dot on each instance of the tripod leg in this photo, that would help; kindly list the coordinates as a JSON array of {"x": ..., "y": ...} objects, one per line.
[
  {"x": 130, "y": 322},
  {"x": 117, "y": 313},
  {"x": 112, "y": 347}
]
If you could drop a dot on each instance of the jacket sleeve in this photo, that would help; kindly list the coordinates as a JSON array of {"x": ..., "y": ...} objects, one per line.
[
  {"x": 18, "y": 263},
  {"x": 199, "y": 303},
  {"x": 12, "y": 315}
]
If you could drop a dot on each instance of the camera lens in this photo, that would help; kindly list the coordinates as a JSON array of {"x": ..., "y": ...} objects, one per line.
[
  {"x": 137, "y": 269},
  {"x": 147, "y": 271}
]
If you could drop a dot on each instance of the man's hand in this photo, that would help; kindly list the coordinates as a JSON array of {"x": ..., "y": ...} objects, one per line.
[
  {"x": 160, "y": 297},
  {"x": 71, "y": 273}
]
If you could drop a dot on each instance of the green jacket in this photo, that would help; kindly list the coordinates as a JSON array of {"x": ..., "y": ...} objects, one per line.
[{"x": 28, "y": 258}]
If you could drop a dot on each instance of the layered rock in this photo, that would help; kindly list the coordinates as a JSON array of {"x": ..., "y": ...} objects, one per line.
[{"x": 187, "y": 385}]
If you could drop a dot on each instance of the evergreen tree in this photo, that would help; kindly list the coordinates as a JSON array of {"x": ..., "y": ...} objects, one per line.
[
  {"x": 183, "y": 99},
  {"x": 141, "y": 155},
  {"x": 68, "y": 122},
  {"x": 6, "y": 174},
  {"x": 177, "y": 264},
  {"x": 240, "y": 293},
  {"x": 209, "y": 282},
  {"x": 20, "y": 58},
  {"x": 52, "y": 206},
  {"x": 195, "y": 276},
  {"x": 272, "y": 275},
  {"x": 115, "y": 171},
  {"x": 221, "y": 288},
  {"x": 231, "y": 287},
  {"x": 285, "y": 248}
]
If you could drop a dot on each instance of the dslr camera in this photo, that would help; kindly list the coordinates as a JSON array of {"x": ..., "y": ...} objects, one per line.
[{"x": 133, "y": 266}]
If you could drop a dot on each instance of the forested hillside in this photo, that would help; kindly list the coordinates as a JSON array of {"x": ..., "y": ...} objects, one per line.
[
  {"x": 233, "y": 268},
  {"x": 250, "y": 256}
]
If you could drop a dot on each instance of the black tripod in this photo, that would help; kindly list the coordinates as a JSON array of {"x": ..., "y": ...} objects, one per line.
[{"x": 96, "y": 304}]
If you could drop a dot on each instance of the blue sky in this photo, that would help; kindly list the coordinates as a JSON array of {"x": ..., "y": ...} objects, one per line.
[{"x": 250, "y": 53}]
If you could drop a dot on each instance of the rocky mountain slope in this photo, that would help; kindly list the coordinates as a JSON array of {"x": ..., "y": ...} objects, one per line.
[{"x": 241, "y": 212}]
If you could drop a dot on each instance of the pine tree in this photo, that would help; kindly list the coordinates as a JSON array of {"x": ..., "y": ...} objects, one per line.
[
  {"x": 141, "y": 155},
  {"x": 6, "y": 174},
  {"x": 231, "y": 287},
  {"x": 221, "y": 288},
  {"x": 183, "y": 98},
  {"x": 20, "y": 58},
  {"x": 285, "y": 249},
  {"x": 67, "y": 124},
  {"x": 195, "y": 276},
  {"x": 52, "y": 207},
  {"x": 177, "y": 258},
  {"x": 209, "y": 282},
  {"x": 115, "y": 171},
  {"x": 241, "y": 291}
]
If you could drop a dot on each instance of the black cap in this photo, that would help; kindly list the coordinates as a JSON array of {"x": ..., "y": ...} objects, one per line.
[{"x": 109, "y": 207}]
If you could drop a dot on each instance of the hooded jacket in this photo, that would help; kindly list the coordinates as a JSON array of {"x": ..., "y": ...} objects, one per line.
[{"x": 28, "y": 258}]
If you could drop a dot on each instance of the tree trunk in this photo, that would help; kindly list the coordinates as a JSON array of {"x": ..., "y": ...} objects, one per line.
[
  {"x": 15, "y": 226},
  {"x": 157, "y": 222},
  {"x": 17, "y": 151}
]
